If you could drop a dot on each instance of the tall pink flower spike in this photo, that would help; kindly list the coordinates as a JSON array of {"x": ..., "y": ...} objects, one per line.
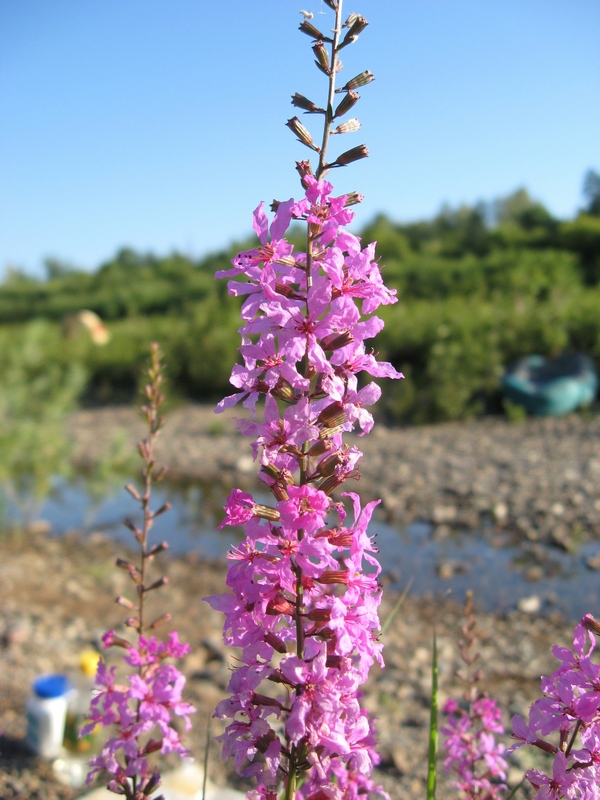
[{"x": 303, "y": 592}]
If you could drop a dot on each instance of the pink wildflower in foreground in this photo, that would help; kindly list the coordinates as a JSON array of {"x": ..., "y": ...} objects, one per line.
[
  {"x": 303, "y": 595},
  {"x": 569, "y": 713}
]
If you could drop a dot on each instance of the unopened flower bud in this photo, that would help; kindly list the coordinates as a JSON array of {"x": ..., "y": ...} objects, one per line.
[
  {"x": 265, "y": 700},
  {"x": 303, "y": 135},
  {"x": 275, "y": 642},
  {"x": 355, "y": 154},
  {"x": 359, "y": 80},
  {"x": 284, "y": 391},
  {"x": 332, "y": 416},
  {"x": 265, "y": 512},
  {"x": 309, "y": 29},
  {"x": 279, "y": 491},
  {"x": 133, "y": 491},
  {"x": 331, "y": 483},
  {"x": 327, "y": 465},
  {"x": 321, "y": 57},
  {"x": 162, "y": 510},
  {"x": 132, "y": 527},
  {"x": 283, "y": 288},
  {"x": 332, "y": 4},
  {"x": 156, "y": 585},
  {"x": 356, "y": 25},
  {"x": 162, "y": 620},
  {"x": 353, "y": 199},
  {"x": 319, "y": 615},
  {"x": 305, "y": 104},
  {"x": 330, "y": 576},
  {"x": 158, "y": 548},
  {"x": 152, "y": 746},
  {"x": 350, "y": 126},
  {"x": 279, "y": 605},
  {"x": 160, "y": 474},
  {"x": 346, "y": 103},
  {"x": 271, "y": 470},
  {"x": 303, "y": 168},
  {"x": 110, "y": 639},
  {"x": 264, "y": 742},
  {"x": 590, "y": 623},
  {"x": 320, "y": 447},
  {"x": 334, "y": 341}
]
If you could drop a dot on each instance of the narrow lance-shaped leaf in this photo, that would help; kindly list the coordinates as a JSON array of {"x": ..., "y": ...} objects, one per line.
[{"x": 433, "y": 726}]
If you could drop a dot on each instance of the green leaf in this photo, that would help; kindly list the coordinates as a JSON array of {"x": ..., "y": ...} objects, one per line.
[{"x": 433, "y": 727}]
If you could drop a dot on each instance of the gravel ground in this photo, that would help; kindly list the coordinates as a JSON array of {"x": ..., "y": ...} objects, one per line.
[
  {"x": 58, "y": 595},
  {"x": 538, "y": 478}
]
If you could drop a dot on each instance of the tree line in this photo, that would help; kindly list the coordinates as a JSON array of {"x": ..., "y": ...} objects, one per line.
[{"x": 478, "y": 287}]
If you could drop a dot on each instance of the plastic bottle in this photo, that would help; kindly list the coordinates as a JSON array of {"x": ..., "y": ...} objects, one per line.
[{"x": 46, "y": 713}]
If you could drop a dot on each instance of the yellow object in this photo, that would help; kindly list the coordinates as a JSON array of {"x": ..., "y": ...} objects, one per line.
[{"x": 88, "y": 663}]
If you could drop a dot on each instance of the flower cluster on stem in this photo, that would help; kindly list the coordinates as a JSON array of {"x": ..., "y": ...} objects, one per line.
[
  {"x": 565, "y": 721},
  {"x": 303, "y": 592},
  {"x": 472, "y": 753},
  {"x": 140, "y": 712}
]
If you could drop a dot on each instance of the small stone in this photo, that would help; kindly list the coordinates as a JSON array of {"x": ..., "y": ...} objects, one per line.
[
  {"x": 534, "y": 574},
  {"x": 442, "y": 514},
  {"x": 560, "y": 537},
  {"x": 245, "y": 464},
  {"x": 449, "y": 569},
  {"x": 593, "y": 562},
  {"x": 441, "y": 532},
  {"x": 17, "y": 631},
  {"x": 530, "y": 605}
]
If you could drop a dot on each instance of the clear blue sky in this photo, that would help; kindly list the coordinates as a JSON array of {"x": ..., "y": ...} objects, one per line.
[{"x": 159, "y": 124}]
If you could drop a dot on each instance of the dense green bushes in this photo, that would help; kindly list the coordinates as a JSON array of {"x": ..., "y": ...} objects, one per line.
[{"x": 477, "y": 287}]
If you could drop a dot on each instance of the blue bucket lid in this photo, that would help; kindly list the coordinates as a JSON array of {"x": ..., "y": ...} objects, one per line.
[{"x": 51, "y": 686}]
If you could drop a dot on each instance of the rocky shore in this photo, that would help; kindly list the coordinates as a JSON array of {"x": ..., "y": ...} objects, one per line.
[{"x": 537, "y": 477}]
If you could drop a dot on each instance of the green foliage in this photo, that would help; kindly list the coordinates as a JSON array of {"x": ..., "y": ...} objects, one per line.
[
  {"x": 591, "y": 191},
  {"x": 582, "y": 236},
  {"x": 36, "y": 396},
  {"x": 478, "y": 288}
]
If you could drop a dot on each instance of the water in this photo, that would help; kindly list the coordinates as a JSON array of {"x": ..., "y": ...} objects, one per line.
[{"x": 499, "y": 570}]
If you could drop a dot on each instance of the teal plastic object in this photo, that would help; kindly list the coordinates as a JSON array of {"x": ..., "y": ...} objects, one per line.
[{"x": 551, "y": 387}]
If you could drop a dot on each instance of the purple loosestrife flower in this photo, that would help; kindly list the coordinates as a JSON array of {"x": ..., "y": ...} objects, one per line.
[
  {"x": 302, "y": 591},
  {"x": 300, "y": 604},
  {"x": 569, "y": 713},
  {"x": 472, "y": 754},
  {"x": 140, "y": 712}
]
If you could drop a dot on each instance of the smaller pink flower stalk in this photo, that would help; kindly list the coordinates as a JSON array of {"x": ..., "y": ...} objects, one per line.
[
  {"x": 472, "y": 753},
  {"x": 140, "y": 711},
  {"x": 569, "y": 712}
]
